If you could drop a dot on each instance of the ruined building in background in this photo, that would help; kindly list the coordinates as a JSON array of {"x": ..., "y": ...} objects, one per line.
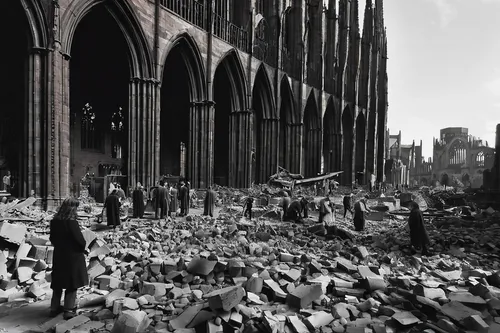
[
  {"x": 461, "y": 156},
  {"x": 491, "y": 178},
  {"x": 208, "y": 90}
]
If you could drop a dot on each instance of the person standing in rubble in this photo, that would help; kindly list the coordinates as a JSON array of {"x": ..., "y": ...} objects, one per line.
[
  {"x": 120, "y": 192},
  {"x": 285, "y": 202},
  {"x": 247, "y": 210},
  {"x": 69, "y": 270},
  {"x": 184, "y": 199},
  {"x": 161, "y": 201},
  {"x": 325, "y": 210},
  {"x": 112, "y": 206},
  {"x": 209, "y": 202},
  {"x": 347, "y": 202},
  {"x": 174, "y": 200},
  {"x": 360, "y": 209},
  {"x": 304, "y": 207},
  {"x": 418, "y": 233},
  {"x": 293, "y": 212},
  {"x": 138, "y": 201},
  {"x": 6, "y": 182}
]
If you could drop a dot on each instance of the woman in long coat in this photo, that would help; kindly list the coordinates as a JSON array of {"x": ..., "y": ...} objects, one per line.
[
  {"x": 138, "y": 201},
  {"x": 209, "y": 202},
  {"x": 69, "y": 270},
  {"x": 418, "y": 234},
  {"x": 112, "y": 205}
]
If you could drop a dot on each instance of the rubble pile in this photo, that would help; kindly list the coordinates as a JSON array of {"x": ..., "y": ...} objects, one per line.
[
  {"x": 23, "y": 211},
  {"x": 216, "y": 275}
]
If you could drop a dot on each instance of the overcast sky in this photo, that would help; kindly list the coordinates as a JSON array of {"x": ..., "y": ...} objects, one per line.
[{"x": 444, "y": 67}]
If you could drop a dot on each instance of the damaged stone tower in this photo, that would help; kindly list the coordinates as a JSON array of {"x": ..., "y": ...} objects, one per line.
[{"x": 130, "y": 90}]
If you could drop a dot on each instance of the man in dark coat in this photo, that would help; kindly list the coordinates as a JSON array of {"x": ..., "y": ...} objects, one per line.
[
  {"x": 347, "y": 201},
  {"x": 69, "y": 270},
  {"x": 209, "y": 203},
  {"x": 112, "y": 205},
  {"x": 120, "y": 192},
  {"x": 174, "y": 199},
  {"x": 359, "y": 218},
  {"x": 161, "y": 201},
  {"x": 184, "y": 199},
  {"x": 304, "y": 208},
  {"x": 418, "y": 233},
  {"x": 138, "y": 201},
  {"x": 293, "y": 211},
  {"x": 247, "y": 209}
]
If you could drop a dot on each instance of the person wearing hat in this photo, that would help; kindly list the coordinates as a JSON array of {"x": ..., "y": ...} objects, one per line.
[{"x": 360, "y": 209}]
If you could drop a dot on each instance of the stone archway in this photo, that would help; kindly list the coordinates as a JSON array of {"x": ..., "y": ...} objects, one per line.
[
  {"x": 265, "y": 124},
  {"x": 290, "y": 130},
  {"x": 100, "y": 74},
  {"x": 233, "y": 134},
  {"x": 332, "y": 138},
  {"x": 21, "y": 106},
  {"x": 347, "y": 145},
  {"x": 359, "y": 163},
  {"x": 312, "y": 138},
  {"x": 181, "y": 93}
]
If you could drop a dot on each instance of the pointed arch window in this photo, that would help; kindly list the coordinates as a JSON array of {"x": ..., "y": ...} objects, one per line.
[
  {"x": 117, "y": 130},
  {"x": 90, "y": 137},
  {"x": 458, "y": 152},
  {"x": 480, "y": 159}
]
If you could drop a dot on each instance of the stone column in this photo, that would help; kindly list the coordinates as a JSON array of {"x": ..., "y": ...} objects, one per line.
[
  {"x": 142, "y": 129},
  {"x": 294, "y": 136},
  {"x": 33, "y": 164},
  {"x": 201, "y": 144},
  {"x": 268, "y": 154},
  {"x": 240, "y": 143}
]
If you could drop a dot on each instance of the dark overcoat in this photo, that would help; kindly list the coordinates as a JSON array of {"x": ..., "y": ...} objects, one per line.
[
  {"x": 112, "y": 205},
  {"x": 174, "y": 200},
  {"x": 418, "y": 233},
  {"x": 184, "y": 199},
  {"x": 138, "y": 202},
  {"x": 209, "y": 203},
  {"x": 162, "y": 202},
  {"x": 69, "y": 270},
  {"x": 359, "y": 216}
]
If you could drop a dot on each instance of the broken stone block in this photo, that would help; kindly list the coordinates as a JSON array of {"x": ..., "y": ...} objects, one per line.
[
  {"x": 24, "y": 274},
  {"x": 476, "y": 323},
  {"x": 201, "y": 266},
  {"x": 275, "y": 290},
  {"x": 71, "y": 324},
  {"x": 303, "y": 296},
  {"x": 226, "y": 298},
  {"x": 13, "y": 233},
  {"x": 405, "y": 318},
  {"x": 131, "y": 322},
  {"x": 457, "y": 311},
  {"x": 431, "y": 293},
  {"x": 373, "y": 283},
  {"x": 236, "y": 320},
  {"x": 114, "y": 295},
  {"x": 254, "y": 284},
  {"x": 297, "y": 325},
  {"x": 318, "y": 319},
  {"x": 466, "y": 297}
]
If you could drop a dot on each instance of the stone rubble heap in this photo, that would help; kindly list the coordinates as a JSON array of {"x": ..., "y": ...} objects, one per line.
[{"x": 222, "y": 275}]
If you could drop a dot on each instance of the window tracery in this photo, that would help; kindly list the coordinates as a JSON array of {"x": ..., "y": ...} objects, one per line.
[
  {"x": 458, "y": 152},
  {"x": 90, "y": 138},
  {"x": 480, "y": 159}
]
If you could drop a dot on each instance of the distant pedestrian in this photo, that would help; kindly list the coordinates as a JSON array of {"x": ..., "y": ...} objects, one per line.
[
  {"x": 304, "y": 207},
  {"x": 112, "y": 206},
  {"x": 69, "y": 270},
  {"x": 209, "y": 202},
  {"x": 325, "y": 211},
  {"x": 7, "y": 182},
  {"x": 184, "y": 199},
  {"x": 347, "y": 202},
  {"x": 138, "y": 201},
  {"x": 359, "y": 218},
  {"x": 247, "y": 209},
  {"x": 161, "y": 201},
  {"x": 174, "y": 200},
  {"x": 418, "y": 233}
]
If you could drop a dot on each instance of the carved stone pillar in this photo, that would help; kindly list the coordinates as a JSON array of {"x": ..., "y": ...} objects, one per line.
[
  {"x": 240, "y": 143},
  {"x": 312, "y": 153},
  {"x": 295, "y": 145},
  {"x": 143, "y": 132},
  {"x": 201, "y": 144},
  {"x": 267, "y": 150},
  {"x": 371, "y": 147},
  {"x": 31, "y": 177}
]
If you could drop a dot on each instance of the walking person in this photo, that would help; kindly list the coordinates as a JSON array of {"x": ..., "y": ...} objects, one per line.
[
  {"x": 7, "y": 182},
  {"x": 347, "y": 202},
  {"x": 247, "y": 210},
  {"x": 112, "y": 206},
  {"x": 360, "y": 209},
  {"x": 69, "y": 270},
  {"x": 418, "y": 233},
  {"x": 138, "y": 201},
  {"x": 209, "y": 202}
]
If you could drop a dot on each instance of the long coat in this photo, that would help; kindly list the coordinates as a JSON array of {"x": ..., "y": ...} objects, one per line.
[
  {"x": 209, "y": 203},
  {"x": 138, "y": 203},
  {"x": 69, "y": 270},
  {"x": 293, "y": 211},
  {"x": 418, "y": 233},
  {"x": 162, "y": 201},
  {"x": 184, "y": 199},
  {"x": 112, "y": 205},
  {"x": 174, "y": 200},
  {"x": 359, "y": 216}
]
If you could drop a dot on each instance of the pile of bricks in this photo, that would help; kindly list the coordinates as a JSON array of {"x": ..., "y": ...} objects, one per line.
[{"x": 220, "y": 275}]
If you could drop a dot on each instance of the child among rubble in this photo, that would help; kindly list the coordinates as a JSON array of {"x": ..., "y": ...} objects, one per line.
[{"x": 69, "y": 271}]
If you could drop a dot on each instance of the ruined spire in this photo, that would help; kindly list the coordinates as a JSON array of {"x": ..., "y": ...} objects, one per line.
[{"x": 368, "y": 23}]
